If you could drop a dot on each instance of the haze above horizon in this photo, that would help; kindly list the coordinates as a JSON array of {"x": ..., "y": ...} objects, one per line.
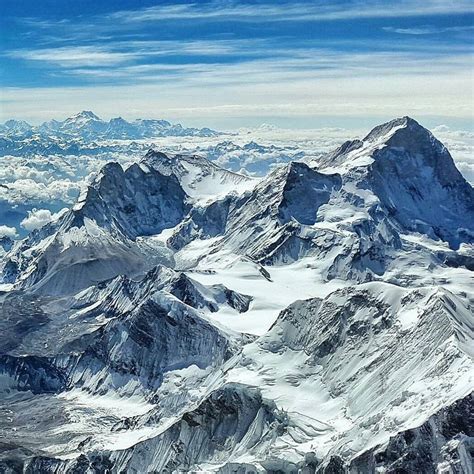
[{"x": 235, "y": 63}]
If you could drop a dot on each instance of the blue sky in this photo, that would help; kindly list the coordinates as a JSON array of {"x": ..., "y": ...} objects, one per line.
[{"x": 239, "y": 63}]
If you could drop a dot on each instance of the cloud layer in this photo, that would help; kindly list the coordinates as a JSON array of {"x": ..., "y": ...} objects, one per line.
[
  {"x": 38, "y": 218},
  {"x": 6, "y": 231}
]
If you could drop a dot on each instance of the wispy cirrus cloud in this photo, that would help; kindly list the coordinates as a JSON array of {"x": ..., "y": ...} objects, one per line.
[
  {"x": 291, "y": 11},
  {"x": 243, "y": 91},
  {"x": 148, "y": 59},
  {"x": 265, "y": 12},
  {"x": 120, "y": 52},
  {"x": 74, "y": 56},
  {"x": 428, "y": 30},
  {"x": 238, "y": 62}
]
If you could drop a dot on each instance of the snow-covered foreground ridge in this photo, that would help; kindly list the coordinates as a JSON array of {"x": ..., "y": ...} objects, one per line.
[{"x": 185, "y": 318}]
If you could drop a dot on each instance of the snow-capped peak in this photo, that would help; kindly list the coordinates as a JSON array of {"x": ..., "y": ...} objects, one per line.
[
  {"x": 18, "y": 126},
  {"x": 401, "y": 134},
  {"x": 386, "y": 130},
  {"x": 85, "y": 114},
  {"x": 86, "y": 123},
  {"x": 408, "y": 171}
]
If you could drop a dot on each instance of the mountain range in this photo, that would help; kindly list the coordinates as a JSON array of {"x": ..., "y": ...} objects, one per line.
[
  {"x": 85, "y": 134},
  {"x": 88, "y": 126},
  {"x": 182, "y": 317}
]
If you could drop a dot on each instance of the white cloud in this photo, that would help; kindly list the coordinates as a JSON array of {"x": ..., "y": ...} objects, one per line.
[
  {"x": 251, "y": 76},
  {"x": 119, "y": 53},
  {"x": 6, "y": 231},
  {"x": 427, "y": 30},
  {"x": 290, "y": 11},
  {"x": 38, "y": 218},
  {"x": 75, "y": 56},
  {"x": 29, "y": 190},
  {"x": 99, "y": 26},
  {"x": 460, "y": 144}
]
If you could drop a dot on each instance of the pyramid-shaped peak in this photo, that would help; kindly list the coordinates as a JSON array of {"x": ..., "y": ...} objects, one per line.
[
  {"x": 85, "y": 114},
  {"x": 388, "y": 129},
  {"x": 153, "y": 154},
  {"x": 296, "y": 174},
  {"x": 298, "y": 167},
  {"x": 118, "y": 120},
  {"x": 403, "y": 133},
  {"x": 17, "y": 124}
]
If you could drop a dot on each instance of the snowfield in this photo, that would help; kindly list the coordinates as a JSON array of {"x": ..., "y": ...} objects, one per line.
[{"x": 310, "y": 314}]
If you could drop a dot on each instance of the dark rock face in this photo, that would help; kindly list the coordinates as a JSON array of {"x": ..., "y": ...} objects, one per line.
[
  {"x": 197, "y": 296},
  {"x": 6, "y": 243},
  {"x": 237, "y": 300},
  {"x": 265, "y": 224},
  {"x": 31, "y": 373},
  {"x": 203, "y": 222},
  {"x": 456, "y": 260},
  {"x": 10, "y": 271},
  {"x": 211, "y": 431},
  {"x": 415, "y": 178},
  {"x": 338, "y": 155},
  {"x": 183, "y": 289},
  {"x": 159, "y": 338},
  {"x": 304, "y": 192},
  {"x": 320, "y": 327},
  {"x": 417, "y": 181},
  {"x": 134, "y": 202},
  {"x": 335, "y": 465},
  {"x": 97, "y": 239},
  {"x": 136, "y": 347},
  {"x": 292, "y": 192},
  {"x": 446, "y": 440}
]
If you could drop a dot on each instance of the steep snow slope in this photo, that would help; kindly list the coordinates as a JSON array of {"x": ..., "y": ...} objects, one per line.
[
  {"x": 124, "y": 342},
  {"x": 86, "y": 124},
  {"x": 199, "y": 177},
  {"x": 442, "y": 444},
  {"x": 366, "y": 361},
  {"x": 346, "y": 374},
  {"x": 232, "y": 418},
  {"x": 267, "y": 222}
]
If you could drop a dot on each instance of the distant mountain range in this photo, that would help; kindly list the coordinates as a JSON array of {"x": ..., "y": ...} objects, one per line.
[{"x": 89, "y": 127}]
